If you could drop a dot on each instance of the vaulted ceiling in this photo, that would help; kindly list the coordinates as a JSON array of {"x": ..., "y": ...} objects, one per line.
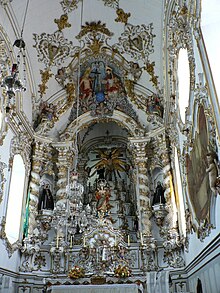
[{"x": 124, "y": 35}]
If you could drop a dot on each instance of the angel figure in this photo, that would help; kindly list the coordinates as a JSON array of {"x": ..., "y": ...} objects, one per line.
[{"x": 213, "y": 172}]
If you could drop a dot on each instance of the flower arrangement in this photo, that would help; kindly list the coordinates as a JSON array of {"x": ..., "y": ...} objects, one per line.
[
  {"x": 122, "y": 272},
  {"x": 76, "y": 272}
]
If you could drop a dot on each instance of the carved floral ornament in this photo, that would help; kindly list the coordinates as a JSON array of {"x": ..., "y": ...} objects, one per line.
[
  {"x": 22, "y": 145},
  {"x": 9, "y": 247},
  {"x": 70, "y": 5},
  {"x": 2, "y": 179},
  {"x": 137, "y": 41},
  {"x": 53, "y": 49}
]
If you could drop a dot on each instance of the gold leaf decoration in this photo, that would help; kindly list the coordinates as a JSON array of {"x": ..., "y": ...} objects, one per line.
[
  {"x": 62, "y": 22},
  {"x": 122, "y": 16}
]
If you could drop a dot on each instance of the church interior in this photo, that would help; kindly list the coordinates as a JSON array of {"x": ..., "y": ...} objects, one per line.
[{"x": 109, "y": 146}]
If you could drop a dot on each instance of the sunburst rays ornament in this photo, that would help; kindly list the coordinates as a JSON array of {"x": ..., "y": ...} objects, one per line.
[{"x": 110, "y": 161}]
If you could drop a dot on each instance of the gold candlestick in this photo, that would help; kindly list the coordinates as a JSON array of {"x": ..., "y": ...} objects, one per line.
[
  {"x": 142, "y": 239},
  {"x": 71, "y": 241},
  {"x": 57, "y": 244}
]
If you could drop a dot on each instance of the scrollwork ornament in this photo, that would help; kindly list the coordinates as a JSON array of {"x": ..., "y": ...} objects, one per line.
[
  {"x": 111, "y": 3},
  {"x": 94, "y": 35},
  {"x": 21, "y": 145},
  {"x": 39, "y": 261},
  {"x": 69, "y": 5},
  {"x": 11, "y": 248},
  {"x": 2, "y": 179},
  {"x": 53, "y": 49},
  {"x": 136, "y": 41},
  {"x": 180, "y": 36}
]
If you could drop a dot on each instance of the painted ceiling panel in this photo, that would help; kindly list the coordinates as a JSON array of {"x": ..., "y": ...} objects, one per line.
[{"x": 125, "y": 36}]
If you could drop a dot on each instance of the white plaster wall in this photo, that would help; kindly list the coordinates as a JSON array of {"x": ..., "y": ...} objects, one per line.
[{"x": 209, "y": 276}]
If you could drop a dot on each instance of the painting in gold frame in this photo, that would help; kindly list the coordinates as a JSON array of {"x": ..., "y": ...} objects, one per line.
[{"x": 196, "y": 164}]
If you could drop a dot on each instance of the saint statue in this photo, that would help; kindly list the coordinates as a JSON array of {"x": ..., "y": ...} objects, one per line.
[
  {"x": 159, "y": 194},
  {"x": 102, "y": 196},
  {"x": 45, "y": 197}
]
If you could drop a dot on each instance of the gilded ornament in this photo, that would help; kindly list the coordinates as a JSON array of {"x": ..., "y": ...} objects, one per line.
[
  {"x": 62, "y": 22},
  {"x": 183, "y": 10},
  {"x": 53, "y": 49},
  {"x": 122, "y": 16},
  {"x": 122, "y": 272},
  {"x": 40, "y": 261},
  {"x": 129, "y": 85},
  {"x": 136, "y": 41},
  {"x": 94, "y": 27},
  {"x": 45, "y": 76},
  {"x": 70, "y": 90},
  {"x": 76, "y": 272}
]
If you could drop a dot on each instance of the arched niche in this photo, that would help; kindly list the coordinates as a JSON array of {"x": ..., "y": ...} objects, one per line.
[
  {"x": 85, "y": 120},
  {"x": 15, "y": 199}
]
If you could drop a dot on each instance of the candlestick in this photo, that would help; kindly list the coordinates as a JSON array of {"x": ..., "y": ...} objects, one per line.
[
  {"x": 71, "y": 241},
  {"x": 141, "y": 239},
  {"x": 128, "y": 240},
  {"x": 57, "y": 245}
]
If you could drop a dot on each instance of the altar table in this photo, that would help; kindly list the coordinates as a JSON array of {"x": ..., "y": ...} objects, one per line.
[{"x": 113, "y": 288}]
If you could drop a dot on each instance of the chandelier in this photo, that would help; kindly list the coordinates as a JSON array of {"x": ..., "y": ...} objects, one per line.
[{"x": 12, "y": 82}]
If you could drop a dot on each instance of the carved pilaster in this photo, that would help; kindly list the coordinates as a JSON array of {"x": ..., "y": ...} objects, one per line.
[
  {"x": 142, "y": 187},
  {"x": 65, "y": 162},
  {"x": 34, "y": 185},
  {"x": 171, "y": 218}
]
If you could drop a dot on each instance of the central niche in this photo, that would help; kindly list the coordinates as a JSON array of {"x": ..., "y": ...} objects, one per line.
[{"x": 108, "y": 169}]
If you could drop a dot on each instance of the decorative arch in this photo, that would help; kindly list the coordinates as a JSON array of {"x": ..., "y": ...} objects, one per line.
[{"x": 85, "y": 120}]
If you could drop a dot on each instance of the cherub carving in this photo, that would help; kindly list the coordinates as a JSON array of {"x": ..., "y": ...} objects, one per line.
[{"x": 213, "y": 171}]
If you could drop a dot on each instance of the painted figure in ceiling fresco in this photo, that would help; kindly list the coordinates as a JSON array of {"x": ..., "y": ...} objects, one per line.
[
  {"x": 101, "y": 92},
  {"x": 47, "y": 112},
  {"x": 86, "y": 85},
  {"x": 154, "y": 105},
  {"x": 197, "y": 176},
  {"x": 111, "y": 82}
]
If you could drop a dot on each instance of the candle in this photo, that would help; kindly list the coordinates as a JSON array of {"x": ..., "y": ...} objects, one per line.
[
  {"x": 57, "y": 246},
  {"x": 141, "y": 239},
  {"x": 71, "y": 241},
  {"x": 128, "y": 240},
  {"x": 115, "y": 240},
  {"x": 84, "y": 242}
]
